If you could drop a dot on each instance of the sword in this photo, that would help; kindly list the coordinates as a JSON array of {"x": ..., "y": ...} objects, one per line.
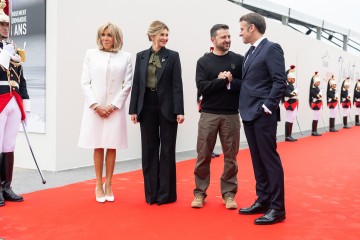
[
  {"x": 297, "y": 121},
  {"x": 339, "y": 112},
  {"x": 27, "y": 138},
  {"x": 350, "y": 119},
  {"x": 322, "y": 118}
]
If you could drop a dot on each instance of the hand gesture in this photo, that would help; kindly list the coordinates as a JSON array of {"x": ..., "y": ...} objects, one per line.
[
  {"x": 134, "y": 118},
  {"x": 180, "y": 119},
  {"x": 102, "y": 112}
]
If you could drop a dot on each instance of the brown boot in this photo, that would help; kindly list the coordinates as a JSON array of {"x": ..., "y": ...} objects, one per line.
[{"x": 198, "y": 201}]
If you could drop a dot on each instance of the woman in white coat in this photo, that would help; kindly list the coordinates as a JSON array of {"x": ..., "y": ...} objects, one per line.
[{"x": 106, "y": 82}]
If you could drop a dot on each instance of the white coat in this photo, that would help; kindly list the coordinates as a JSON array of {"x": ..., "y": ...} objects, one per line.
[{"x": 106, "y": 79}]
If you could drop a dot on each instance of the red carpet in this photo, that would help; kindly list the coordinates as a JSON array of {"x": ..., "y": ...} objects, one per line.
[{"x": 322, "y": 179}]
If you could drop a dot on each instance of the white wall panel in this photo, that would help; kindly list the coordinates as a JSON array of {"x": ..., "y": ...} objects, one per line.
[{"x": 71, "y": 29}]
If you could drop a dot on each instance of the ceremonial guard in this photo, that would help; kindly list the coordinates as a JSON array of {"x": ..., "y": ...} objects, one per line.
[
  {"x": 332, "y": 102},
  {"x": 345, "y": 101},
  {"x": 315, "y": 101},
  {"x": 356, "y": 102},
  {"x": 14, "y": 101},
  {"x": 290, "y": 103}
]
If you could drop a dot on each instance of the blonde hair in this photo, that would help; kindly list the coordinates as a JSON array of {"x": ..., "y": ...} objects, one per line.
[
  {"x": 115, "y": 32},
  {"x": 155, "y": 28}
]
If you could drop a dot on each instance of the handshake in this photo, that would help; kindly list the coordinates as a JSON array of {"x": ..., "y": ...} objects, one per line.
[{"x": 225, "y": 75}]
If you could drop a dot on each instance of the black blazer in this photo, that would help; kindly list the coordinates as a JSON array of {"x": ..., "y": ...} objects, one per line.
[
  {"x": 169, "y": 85},
  {"x": 264, "y": 81},
  {"x": 16, "y": 74}
]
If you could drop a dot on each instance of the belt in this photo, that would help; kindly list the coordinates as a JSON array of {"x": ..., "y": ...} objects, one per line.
[
  {"x": 6, "y": 83},
  {"x": 152, "y": 89}
]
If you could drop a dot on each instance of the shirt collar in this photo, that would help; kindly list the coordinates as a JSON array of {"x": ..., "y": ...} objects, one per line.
[{"x": 258, "y": 41}]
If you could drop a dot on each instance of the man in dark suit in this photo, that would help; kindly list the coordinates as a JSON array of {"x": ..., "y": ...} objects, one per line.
[{"x": 262, "y": 88}]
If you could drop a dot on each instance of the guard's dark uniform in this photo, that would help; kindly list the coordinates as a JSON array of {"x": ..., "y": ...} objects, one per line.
[
  {"x": 356, "y": 102},
  {"x": 332, "y": 102},
  {"x": 345, "y": 100},
  {"x": 291, "y": 102},
  {"x": 12, "y": 83},
  {"x": 315, "y": 102},
  {"x": 12, "y": 92}
]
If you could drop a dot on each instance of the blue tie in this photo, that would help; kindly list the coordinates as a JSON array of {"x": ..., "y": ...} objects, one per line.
[{"x": 248, "y": 55}]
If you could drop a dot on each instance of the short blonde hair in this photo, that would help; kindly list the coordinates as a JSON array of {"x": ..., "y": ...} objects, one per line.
[
  {"x": 155, "y": 28},
  {"x": 115, "y": 32}
]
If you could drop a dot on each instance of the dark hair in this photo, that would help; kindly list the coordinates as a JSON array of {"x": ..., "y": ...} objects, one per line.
[
  {"x": 216, "y": 27},
  {"x": 256, "y": 19}
]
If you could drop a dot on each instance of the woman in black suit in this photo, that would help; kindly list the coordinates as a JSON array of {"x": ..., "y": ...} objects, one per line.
[{"x": 157, "y": 103}]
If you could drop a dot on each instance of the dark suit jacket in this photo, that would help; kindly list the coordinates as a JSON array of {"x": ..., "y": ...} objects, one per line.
[
  {"x": 169, "y": 85},
  {"x": 17, "y": 75},
  {"x": 264, "y": 81}
]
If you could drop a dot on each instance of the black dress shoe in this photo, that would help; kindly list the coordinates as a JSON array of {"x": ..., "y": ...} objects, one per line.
[
  {"x": 9, "y": 195},
  {"x": 316, "y": 134},
  {"x": 214, "y": 154},
  {"x": 290, "y": 139},
  {"x": 271, "y": 216},
  {"x": 2, "y": 200},
  {"x": 257, "y": 207}
]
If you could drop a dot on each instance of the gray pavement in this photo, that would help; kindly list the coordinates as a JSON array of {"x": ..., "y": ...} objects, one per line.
[{"x": 28, "y": 180}]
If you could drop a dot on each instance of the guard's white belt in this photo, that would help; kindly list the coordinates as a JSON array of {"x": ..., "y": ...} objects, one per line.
[{"x": 6, "y": 83}]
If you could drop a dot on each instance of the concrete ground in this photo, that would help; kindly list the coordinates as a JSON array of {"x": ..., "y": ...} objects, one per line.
[{"x": 28, "y": 180}]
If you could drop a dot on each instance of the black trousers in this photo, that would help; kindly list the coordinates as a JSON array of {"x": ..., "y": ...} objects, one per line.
[
  {"x": 158, "y": 139},
  {"x": 268, "y": 170}
]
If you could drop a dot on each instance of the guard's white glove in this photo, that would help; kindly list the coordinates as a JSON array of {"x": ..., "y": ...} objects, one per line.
[{"x": 9, "y": 48}]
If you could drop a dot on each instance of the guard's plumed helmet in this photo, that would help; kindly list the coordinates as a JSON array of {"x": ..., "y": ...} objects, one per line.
[
  {"x": 291, "y": 72},
  {"x": 332, "y": 80},
  {"x": 316, "y": 78}
]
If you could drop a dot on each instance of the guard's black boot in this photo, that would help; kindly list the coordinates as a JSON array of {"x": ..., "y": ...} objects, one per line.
[
  {"x": 332, "y": 125},
  {"x": 314, "y": 129},
  {"x": 214, "y": 154},
  {"x": 345, "y": 123},
  {"x": 288, "y": 130},
  {"x": 6, "y": 172},
  {"x": 357, "y": 122},
  {"x": 2, "y": 200}
]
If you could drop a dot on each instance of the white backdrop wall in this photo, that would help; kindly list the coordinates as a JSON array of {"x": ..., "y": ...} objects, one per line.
[{"x": 71, "y": 29}]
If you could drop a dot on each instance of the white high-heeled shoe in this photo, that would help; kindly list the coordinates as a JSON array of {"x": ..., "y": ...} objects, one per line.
[
  {"x": 99, "y": 199},
  {"x": 108, "y": 198}
]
